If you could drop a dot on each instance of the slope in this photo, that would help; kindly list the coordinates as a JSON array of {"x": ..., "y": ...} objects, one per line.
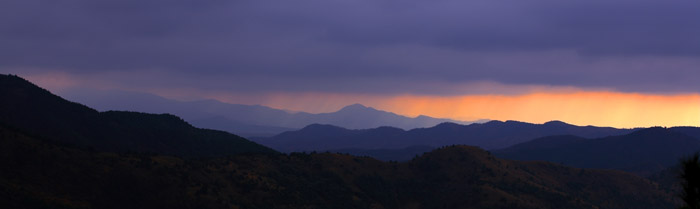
[
  {"x": 490, "y": 135},
  {"x": 40, "y": 174},
  {"x": 643, "y": 152},
  {"x": 29, "y": 108}
]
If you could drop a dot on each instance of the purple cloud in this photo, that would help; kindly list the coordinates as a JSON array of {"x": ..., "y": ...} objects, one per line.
[{"x": 353, "y": 46}]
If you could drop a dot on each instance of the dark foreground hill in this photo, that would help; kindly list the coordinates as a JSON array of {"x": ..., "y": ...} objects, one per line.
[
  {"x": 400, "y": 155},
  {"x": 644, "y": 152},
  {"x": 38, "y": 173},
  {"x": 27, "y": 107},
  {"x": 490, "y": 135}
]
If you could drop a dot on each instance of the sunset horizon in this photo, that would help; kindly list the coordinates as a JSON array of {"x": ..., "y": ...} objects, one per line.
[
  {"x": 570, "y": 105},
  {"x": 350, "y": 104}
]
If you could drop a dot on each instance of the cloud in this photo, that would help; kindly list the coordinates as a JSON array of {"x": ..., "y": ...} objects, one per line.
[{"x": 361, "y": 46}]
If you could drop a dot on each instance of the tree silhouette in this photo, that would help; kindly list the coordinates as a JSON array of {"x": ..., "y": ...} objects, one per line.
[{"x": 690, "y": 182}]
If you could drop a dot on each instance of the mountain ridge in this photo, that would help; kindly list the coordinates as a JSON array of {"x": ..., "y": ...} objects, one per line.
[
  {"x": 644, "y": 152},
  {"x": 249, "y": 120},
  {"x": 121, "y": 159},
  {"x": 33, "y": 109},
  {"x": 489, "y": 135}
]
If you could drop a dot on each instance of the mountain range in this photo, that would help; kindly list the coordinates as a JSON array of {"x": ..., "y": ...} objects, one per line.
[
  {"x": 644, "y": 152},
  {"x": 489, "y": 135},
  {"x": 55, "y": 153},
  {"x": 29, "y": 108},
  {"x": 248, "y": 120}
]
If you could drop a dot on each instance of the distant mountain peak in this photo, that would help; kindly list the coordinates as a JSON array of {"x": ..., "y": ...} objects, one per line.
[
  {"x": 447, "y": 124},
  {"x": 354, "y": 107},
  {"x": 557, "y": 123},
  {"x": 493, "y": 122},
  {"x": 317, "y": 127},
  {"x": 387, "y": 128}
]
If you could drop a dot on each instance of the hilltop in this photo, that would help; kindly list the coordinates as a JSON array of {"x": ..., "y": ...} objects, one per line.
[
  {"x": 29, "y": 108},
  {"x": 645, "y": 152}
]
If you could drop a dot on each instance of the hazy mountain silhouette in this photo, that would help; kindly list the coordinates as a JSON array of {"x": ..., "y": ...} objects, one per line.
[
  {"x": 248, "y": 120},
  {"x": 245, "y": 120},
  {"x": 644, "y": 152},
  {"x": 490, "y": 135},
  {"x": 358, "y": 116},
  {"x": 39, "y": 174},
  {"x": 34, "y": 110},
  {"x": 318, "y": 137},
  {"x": 240, "y": 128},
  {"x": 687, "y": 130},
  {"x": 47, "y": 162}
]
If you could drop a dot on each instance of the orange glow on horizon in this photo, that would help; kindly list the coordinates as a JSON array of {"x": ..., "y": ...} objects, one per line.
[
  {"x": 623, "y": 110},
  {"x": 615, "y": 109},
  {"x": 537, "y": 105}
]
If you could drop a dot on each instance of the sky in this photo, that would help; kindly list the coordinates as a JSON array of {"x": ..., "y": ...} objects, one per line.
[{"x": 619, "y": 63}]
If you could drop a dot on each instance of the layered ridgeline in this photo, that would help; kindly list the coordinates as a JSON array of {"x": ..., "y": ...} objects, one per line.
[
  {"x": 27, "y": 107},
  {"x": 641, "y": 151},
  {"x": 490, "y": 135},
  {"x": 59, "y": 154},
  {"x": 644, "y": 152},
  {"x": 37, "y": 173},
  {"x": 247, "y": 120}
]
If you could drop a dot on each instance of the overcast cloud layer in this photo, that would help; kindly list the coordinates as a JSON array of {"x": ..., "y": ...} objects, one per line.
[{"x": 358, "y": 46}]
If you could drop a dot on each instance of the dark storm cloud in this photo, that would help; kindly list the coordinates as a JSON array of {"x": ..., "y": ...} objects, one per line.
[{"x": 343, "y": 45}]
